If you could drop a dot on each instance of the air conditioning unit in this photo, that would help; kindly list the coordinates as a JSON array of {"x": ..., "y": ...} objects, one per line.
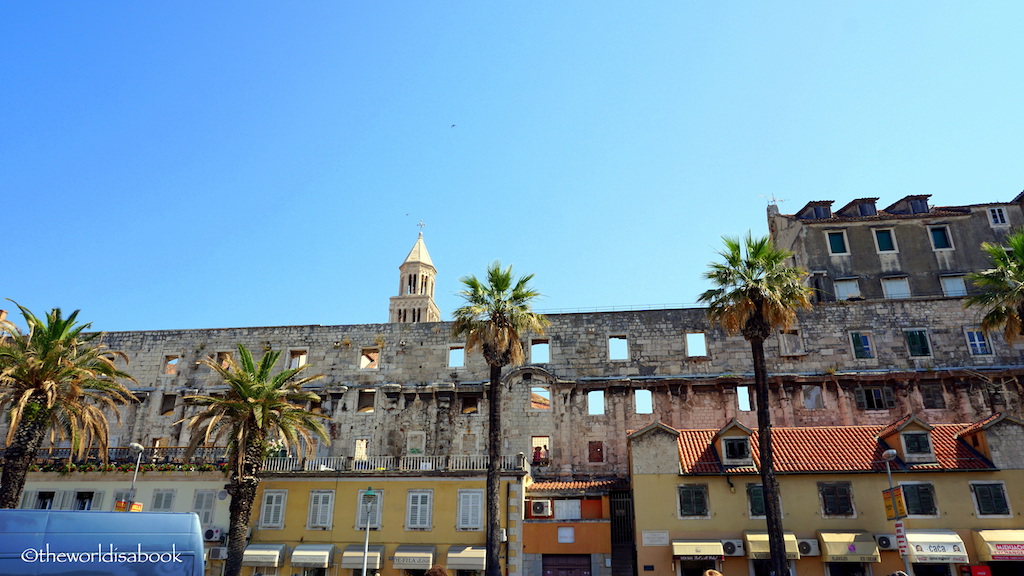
[
  {"x": 219, "y": 553},
  {"x": 212, "y": 534},
  {"x": 540, "y": 507},
  {"x": 733, "y": 548},
  {"x": 808, "y": 547},
  {"x": 886, "y": 541}
]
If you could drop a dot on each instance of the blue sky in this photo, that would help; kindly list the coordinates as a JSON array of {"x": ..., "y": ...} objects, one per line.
[{"x": 195, "y": 165}]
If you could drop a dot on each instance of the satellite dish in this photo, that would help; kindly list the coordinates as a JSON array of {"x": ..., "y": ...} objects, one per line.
[{"x": 222, "y": 495}]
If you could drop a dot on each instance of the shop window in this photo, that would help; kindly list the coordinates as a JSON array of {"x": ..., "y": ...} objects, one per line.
[
  {"x": 366, "y": 401},
  {"x": 917, "y": 342},
  {"x": 595, "y": 402},
  {"x": 837, "y": 243},
  {"x": 595, "y": 451},
  {"x": 456, "y": 357},
  {"x": 862, "y": 348},
  {"x": 540, "y": 351},
  {"x": 693, "y": 500},
  {"x": 836, "y": 498},
  {"x": 618, "y": 348},
  {"x": 874, "y": 398},
  {"x": 171, "y": 364},
  {"x": 990, "y": 499},
  {"x": 885, "y": 240},
  {"x": 643, "y": 401},
  {"x": 368, "y": 358},
  {"x": 696, "y": 345},
  {"x": 812, "y": 397},
  {"x": 540, "y": 398}
]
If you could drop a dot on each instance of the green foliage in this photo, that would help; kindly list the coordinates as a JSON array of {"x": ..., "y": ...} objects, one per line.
[{"x": 1000, "y": 289}]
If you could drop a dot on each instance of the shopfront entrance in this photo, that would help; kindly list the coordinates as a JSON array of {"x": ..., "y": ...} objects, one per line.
[{"x": 566, "y": 565}]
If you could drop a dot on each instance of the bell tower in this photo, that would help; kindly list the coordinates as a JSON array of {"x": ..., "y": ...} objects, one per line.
[{"x": 415, "y": 300}]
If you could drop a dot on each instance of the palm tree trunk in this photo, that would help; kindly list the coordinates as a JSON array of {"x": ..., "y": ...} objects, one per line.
[
  {"x": 18, "y": 458},
  {"x": 769, "y": 486},
  {"x": 493, "y": 559},
  {"x": 243, "y": 494}
]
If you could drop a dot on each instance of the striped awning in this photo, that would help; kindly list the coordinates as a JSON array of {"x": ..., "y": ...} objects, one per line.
[
  {"x": 757, "y": 545},
  {"x": 352, "y": 557},
  {"x": 848, "y": 547},
  {"x": 269, "y": 555},
  {"x": 313, "y": 556},
  {"x": 413, "y": 557},
  {"x": 994, "y": 545},
  {"x": 697, "y": 549},
  {"x": 936, "y": 547},
  {"x": 466, "y": 558}
]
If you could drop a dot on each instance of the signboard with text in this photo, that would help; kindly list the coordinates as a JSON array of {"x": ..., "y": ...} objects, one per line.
[{"x": 895, "y": 505}]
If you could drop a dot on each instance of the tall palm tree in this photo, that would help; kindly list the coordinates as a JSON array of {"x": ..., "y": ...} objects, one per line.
[
  {"x": 1000, "y": 290},
  {"x": 259, "y": 407},
  {"x": 757, "y": 292},
  {"x": 57, "y": 381},
  {"x": 497, "y": 311}
]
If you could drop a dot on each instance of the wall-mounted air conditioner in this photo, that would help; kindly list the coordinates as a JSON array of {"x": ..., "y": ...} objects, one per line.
[
  {"x": 733, "y": 548},
  {"x": 219, "y": 553},
  {"x": 212, "y": 534},
  {"x": 808, "y": 547},
  {"x": 540, "y": 508},
  {"x": 886, "y": 541}
]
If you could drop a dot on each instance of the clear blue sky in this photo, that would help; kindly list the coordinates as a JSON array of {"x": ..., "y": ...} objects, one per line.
[{"x": 216, "y": 164}]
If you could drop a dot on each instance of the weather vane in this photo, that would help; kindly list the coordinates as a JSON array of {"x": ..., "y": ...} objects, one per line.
[{"x": 421, "y": 225}]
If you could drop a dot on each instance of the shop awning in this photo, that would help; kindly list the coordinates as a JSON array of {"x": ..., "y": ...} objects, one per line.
[
  {"x": 999, "y": 544},
  {"x": 352, "y": 557},
  {"x": 936, "y": 547},
  {"x": 697, "y": 549},
  {"x": 269, "y": 555},
  {"x": 757, "y": 545},
  {"x": 466, "y": 558},
  {"x": 413, "y": 557},
  {"x": 848, "y": 547},
  {"x": 313, "y": 556}
]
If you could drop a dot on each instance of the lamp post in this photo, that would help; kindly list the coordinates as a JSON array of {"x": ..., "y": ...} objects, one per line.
[
  {"x": 135, "y": 448},
  {"x": 890, "y": 455},
  {"x": 368, "y": 498}
]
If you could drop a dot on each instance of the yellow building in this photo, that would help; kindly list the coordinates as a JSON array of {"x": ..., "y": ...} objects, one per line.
[
  {"x": 317, "y": 523},
  {"x": 699, "y": 503}
]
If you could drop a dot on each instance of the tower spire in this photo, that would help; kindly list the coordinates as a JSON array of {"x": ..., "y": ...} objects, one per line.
[{"x": 416, "y": 275}]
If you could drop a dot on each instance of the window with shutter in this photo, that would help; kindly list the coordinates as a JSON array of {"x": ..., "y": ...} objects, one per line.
[
  {"x": 990, "y": 499},
  {"x": 836, "y": 498},
  {"x": 917, "y": 343},
  {"x": 321, "y": 508},
  {"x": 920, "y": 499},
  {"x": 418, "y": 509},
  {"x": 163, "y": 500},
  {"x": 470, "y": 512},
  {"x": 755, "y": 497},
  {"x": 368, "y": 509},
  {"x": 272, "y": 511},
  {"x": 203, "y": 504},
  {"x": 693, "y": 500}
]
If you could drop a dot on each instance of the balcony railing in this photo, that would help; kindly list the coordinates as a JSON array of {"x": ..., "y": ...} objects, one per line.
[
  {"x": 123, "y": 454},
  {"x": 373, "y": 464}
]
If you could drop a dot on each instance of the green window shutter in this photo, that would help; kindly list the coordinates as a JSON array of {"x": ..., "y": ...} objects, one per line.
[
  {"x": 755, "y": 494},
  {"x": 861, "y": 398},
  {"x": 888, "y": 397}
]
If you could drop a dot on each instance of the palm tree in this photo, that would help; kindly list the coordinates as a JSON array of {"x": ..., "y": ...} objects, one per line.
[
  {"x": 496, "y": 313},
  {"x": 259, "y": 407},
  {"x": 756, "y": 293},
  {"x": 57, "y": 381},
  {"x": 1001, "y": 288}
]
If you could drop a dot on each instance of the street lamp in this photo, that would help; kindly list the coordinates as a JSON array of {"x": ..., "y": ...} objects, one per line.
[
  {"x": 134, "y": 448},
  {"x": 368, "y": 498},
  {"x": 890, "y": 455}
]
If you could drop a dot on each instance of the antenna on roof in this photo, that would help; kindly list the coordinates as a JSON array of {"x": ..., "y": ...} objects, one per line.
[{"x": 773, "y": 200}]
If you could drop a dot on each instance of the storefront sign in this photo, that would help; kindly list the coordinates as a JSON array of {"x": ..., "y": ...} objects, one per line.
[{"x": 654, "y": 538}]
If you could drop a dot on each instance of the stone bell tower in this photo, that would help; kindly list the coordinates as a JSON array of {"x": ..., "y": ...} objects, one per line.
[{"x": 415, "y": 300}]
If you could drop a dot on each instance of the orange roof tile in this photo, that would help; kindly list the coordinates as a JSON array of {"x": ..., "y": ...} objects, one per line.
[{"x": 577, "y": 485}]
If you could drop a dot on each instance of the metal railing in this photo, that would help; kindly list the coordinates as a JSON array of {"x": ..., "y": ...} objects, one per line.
[{"x": 373, "y": 464}]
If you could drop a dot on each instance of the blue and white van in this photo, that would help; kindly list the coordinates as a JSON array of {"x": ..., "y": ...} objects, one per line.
[{"x": 67, "y": 543}]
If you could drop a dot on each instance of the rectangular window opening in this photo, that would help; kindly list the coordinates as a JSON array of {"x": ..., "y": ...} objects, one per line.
[
  {"x": 932, "y": 397},
  {"x": 368, "y": 358},
  {"x": 595, "y": 451},
  {"x": 296, "y": 359},
  {"x": 836, "y": 498},
  {"x": 790, "y": 343},
  {"x": 896, "y": 287},
  {"x": 874, "y": 398},
  {"x": 595, "y": 402},
  {"x": 812, "y": 397},
  {"x": 977, "y": 343},
  {"x": 618, "y": 348},
  {"x": 953, "y": 286},
  {"x": 862, "y": 345},
  {"x": 367, "y": 398},
  {"x": 885, "y": 240},
  {"x": 470, "y": 404},
  {"x": 456, "y": 357},
  {"x": 755, "y": 499},
  {"x": 696, "y": 345},
  {"x": 540, "y": 352},
  {"x": 743, "y": 399},
  {"x": 846, "y": 289},
  {"x": 693, "y": 500},
  {"x": 167, "y": 402},
  {"x": 539, "y": 446},
  {"x": 996, "y": 217},
  {"x": 837, "y": 243},
  {"x": 643, "y": 401},
  {"x": 171, "y": 364},
  {"x": 917, "y": 343},
  {"x": 940, "y": 238},
  {"x": 540, "y": 398},
  {"x": 990, "y": 499}
]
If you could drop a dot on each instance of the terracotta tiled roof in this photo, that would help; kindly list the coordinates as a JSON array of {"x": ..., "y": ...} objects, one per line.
[
  {"x": 577, "y": 485},
  {"x": 972, "y": 428},
  {"x": 894, "y": 427},
  {"x": 829, "y": 449},
  {"x": 882, "y": 215}
]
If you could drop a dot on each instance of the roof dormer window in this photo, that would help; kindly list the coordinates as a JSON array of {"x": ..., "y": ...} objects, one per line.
[
  {"x": 737, "y": 450},
  {"x": 918, "y": 205},
  {"x": 917, "y": 446}
]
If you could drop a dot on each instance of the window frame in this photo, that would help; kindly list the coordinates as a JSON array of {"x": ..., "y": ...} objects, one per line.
[
  {"x": 266, "y": 517},
  {"x": 466, "y": 507},
  {"x": 868, "y": 349},
  {"x": 911, "y": 492},
  {"x": 847, "y": 498},
  {"x": 164, "y": 493},
  {"x": 315, "y": 517},
  {"x": 373, "y": 518},
  {"x": 846, "y": 242},
  {"x": 690, "y": 338},
  {"x": 997, "y": 222},
  {"x": 212, "y": 494},
  {"x": 745, "y": 458},
  {"x": 847, "y": 294},
  {"x": 422, "y": 509},
  {"x": 887, "y": 294},
  {"x": 961, "y": 288},
  {"x": 757, "y": 487},
  {"x": 892, "y": 238},
  {"x": 980, "y": 340},
  {"x": 930, "y": 393},
  {"x": 886, "y": 397},
  {"x": 791, "y": 342},
  {"x": 911, "y": 347},
  {"x": 625, "y": 357},
  {"x": 298, "y": 356},
  {"x": 944, "y": 229},
  {"x": 820, "y": 404},
  {"x": 455, "y": 360},
  {"x": 912, "y": 443},
  {"x": 974, "y": 484},
  {"x": 697, "y": 513}
]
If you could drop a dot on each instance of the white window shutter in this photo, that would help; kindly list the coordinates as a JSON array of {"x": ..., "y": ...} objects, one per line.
[
  {"x": 28, "y": 500},
  {"x": 97, "y": 500}
]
